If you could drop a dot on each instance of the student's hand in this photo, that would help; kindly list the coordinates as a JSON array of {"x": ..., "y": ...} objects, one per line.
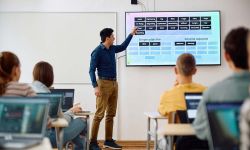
[
  {"x": 76, "y": 108},
  {"x": 134, "y": 30},
  {"x": 49, "y": 123},
  {"x": 97, "y": 91}
]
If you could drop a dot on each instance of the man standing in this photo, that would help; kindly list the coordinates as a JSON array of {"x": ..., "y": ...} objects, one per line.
[{"x": 106, "y": 88}]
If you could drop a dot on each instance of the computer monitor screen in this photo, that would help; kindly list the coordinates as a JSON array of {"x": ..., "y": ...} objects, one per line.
[
  {"x": 192, "y": 102},
  {"x": 163, "y": 36},
  {"x": 223, "y": 121},
  {"x": 55, "y": 103},
  {"x": 22, "y": 116},
  {"x": 68, "y": 97}
]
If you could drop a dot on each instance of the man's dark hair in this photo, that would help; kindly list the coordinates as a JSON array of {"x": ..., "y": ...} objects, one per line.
[
  {"x": 186, "y": 64},
  {"x": 106, "y": 32},
  {"x": 236, "y": 46}
]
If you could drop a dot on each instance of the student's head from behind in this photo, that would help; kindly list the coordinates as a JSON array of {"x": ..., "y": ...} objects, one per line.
[
  {"x": 107, "y": 36},
  {"x": 235, "y": 46},
  {"x": 185, "y": 65},
  {"x": 43, "y": 72},
  {"x": 9, "y": 69}
]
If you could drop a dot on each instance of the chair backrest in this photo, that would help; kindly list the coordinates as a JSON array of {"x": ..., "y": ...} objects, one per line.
[{"x": 173, "y": 117}]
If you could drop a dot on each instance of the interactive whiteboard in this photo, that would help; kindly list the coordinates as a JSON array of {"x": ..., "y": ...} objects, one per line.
[{"x": 163, "y": 36}]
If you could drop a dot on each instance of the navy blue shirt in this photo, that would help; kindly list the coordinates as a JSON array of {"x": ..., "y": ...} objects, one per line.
[{"x": 104, "y": 61}]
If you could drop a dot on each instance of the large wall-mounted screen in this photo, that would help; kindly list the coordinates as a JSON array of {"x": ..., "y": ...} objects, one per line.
[{"x": 163, "y": 36}]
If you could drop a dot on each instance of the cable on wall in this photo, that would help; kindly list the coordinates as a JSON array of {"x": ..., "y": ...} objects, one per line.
[{"x": 142, "y": 5}]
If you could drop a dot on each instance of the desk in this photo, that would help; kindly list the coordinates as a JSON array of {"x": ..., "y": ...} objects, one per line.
[
  {"x": 85, "y": 115},
  {"x": 171, "y": 130},
  {"x": 45, "y": 145},
  {"x": 154, "y": 116},
  {"x": 59, "y": 124}
]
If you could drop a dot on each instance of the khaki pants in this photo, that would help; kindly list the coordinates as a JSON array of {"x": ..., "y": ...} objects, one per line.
[{"x": 106, "y": 102}]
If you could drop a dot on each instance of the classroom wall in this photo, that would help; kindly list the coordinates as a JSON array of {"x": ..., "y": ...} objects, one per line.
[{"x": 139, "y": 87}]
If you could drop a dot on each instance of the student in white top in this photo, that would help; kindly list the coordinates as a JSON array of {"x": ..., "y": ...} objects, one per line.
[{"x": 43, "y": 79}]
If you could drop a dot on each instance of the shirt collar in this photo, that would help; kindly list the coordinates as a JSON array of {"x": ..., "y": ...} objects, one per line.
[
  {"x": 102, "y": 46},
  {"x": 186, "y": 84},
  {"x": 39, "y": 85},
  {"x": 244, "y": 73}
]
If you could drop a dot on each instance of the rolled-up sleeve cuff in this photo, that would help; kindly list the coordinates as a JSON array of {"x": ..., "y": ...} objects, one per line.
[{"x": 94, "y": 85}]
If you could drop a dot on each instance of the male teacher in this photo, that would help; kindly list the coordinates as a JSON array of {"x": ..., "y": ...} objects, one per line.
[{"x": 106, "y": 87}]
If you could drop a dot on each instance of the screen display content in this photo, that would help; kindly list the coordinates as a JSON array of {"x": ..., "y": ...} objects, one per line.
[{"x": 163, "y": 36}]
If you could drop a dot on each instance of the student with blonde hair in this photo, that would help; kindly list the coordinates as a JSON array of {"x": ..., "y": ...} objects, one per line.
[{"x": 173, "y": 99}]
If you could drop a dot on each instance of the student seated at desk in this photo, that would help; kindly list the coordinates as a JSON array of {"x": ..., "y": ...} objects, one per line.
[
  {"x": 173, "y": 99},
  {"x": 233, "y": 88},
  {"x": 10, "y": 72},
  {"x": 43, "y": 79}
]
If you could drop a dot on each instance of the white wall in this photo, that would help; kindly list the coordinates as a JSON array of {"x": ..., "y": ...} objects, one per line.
[{"x": 139, "y": 87}]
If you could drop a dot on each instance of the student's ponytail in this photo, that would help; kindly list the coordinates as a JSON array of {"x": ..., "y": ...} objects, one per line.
[{"x": 8, "y": 61}]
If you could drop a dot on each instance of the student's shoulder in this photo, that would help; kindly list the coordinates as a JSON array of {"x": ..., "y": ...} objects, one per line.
[
  {"x": 200, "y": 86},
  {"x": 24, "y": 86},
  {"x": 220, "y": 85},
  {"x": 216, "y": 89},
  {"x": 171, "y": 91},
  {"x": 20, "y": 89},
  {"x": 18, "y": 85}
]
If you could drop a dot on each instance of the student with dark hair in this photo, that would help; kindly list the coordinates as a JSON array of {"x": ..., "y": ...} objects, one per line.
[
  {"x": 232, "y": 88},
  {"x": 106, "y": 88},
  {"x": 10, "y": 72},
  {"x": 43, "y": 79},
  {"x": 173, "y": 99}
]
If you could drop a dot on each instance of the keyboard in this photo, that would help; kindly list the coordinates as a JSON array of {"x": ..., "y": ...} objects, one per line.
[
  {"x": 18, "y": 144},
  {"x": 83, "y": 113}
]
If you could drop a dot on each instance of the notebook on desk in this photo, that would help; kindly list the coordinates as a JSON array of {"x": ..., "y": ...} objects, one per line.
[
  {"x": 83, "y": 113},
  {"x": 192, "y": 101},
  {"x": 55, "y": 103},
  {"x": 22, "y": 122},
  {"x": 223, "y": 121},
  {"x": 68, "y": 97}
]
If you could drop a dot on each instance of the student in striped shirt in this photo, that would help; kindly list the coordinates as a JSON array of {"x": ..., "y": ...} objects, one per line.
[{"x": 9, "y": 76}]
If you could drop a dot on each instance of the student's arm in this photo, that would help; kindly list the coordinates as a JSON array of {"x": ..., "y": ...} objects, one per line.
[
  {"x": 68, "y": 115},
  {"x": 200, "y": 123},
  {"x": 166, "y": 105},
  {"x": 124, "y": 45}
]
